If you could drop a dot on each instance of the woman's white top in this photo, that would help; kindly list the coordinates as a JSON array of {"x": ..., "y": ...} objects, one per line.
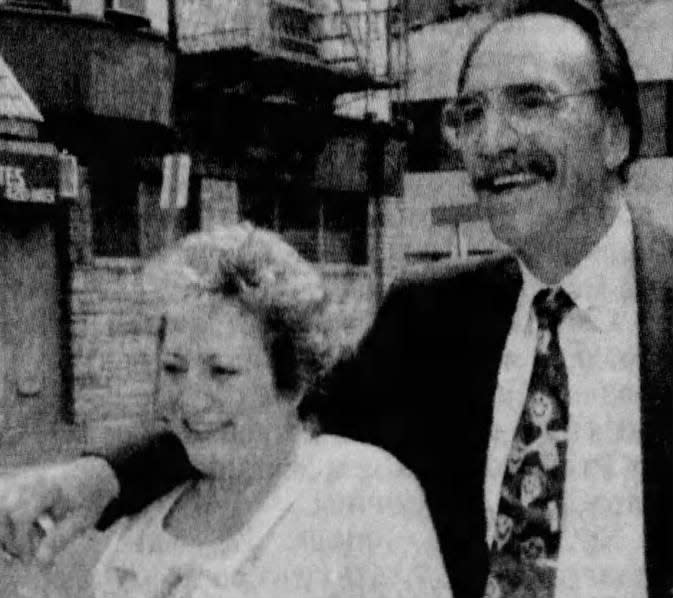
[{"x": 345, "y": 520}]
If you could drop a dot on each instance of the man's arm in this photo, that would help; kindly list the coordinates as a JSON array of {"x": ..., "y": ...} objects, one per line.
[
  {"x": 44, "y": 508},
  {"x": 146, "y": 469},
  {"x": 354, "y": 396}
]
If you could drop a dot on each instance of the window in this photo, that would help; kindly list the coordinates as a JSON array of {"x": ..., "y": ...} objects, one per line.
[
  {"x": 323, "y": 227},
  {"x": 61, "y": 5},
  {"x": 114, "y": 208},
  {"x": 299, "y": 221},
  {"x": 345, "y": 228},
  {"x": 431, "y": 147},
  {"x": 161, "y": 228},
  {"x": 127, "y": 219}
]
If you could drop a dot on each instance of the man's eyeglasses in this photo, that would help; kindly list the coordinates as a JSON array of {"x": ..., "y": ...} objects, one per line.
[{"x": 526, "y": 105}]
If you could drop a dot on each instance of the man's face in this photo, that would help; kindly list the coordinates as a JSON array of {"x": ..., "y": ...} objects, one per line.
[{"x": 538, "y": 178}]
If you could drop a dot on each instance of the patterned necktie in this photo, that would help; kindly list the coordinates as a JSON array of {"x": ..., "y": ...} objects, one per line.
[{"x": 528, "y": 525}]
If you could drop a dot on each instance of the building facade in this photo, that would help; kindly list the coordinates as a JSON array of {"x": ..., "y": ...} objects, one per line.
[{"x": 183, "y": 115}]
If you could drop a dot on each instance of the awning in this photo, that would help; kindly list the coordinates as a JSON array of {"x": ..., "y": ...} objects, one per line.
[{"x": 15, "y": 103}]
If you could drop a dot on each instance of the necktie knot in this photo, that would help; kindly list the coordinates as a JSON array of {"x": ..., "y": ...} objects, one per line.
[{"x": 551, "y": 306}]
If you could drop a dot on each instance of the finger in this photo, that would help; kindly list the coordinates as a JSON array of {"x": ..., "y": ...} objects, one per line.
[
  {"x": 24, "y": 537},
  {"x": 41, "y": 529},
  {"x": 8, "y": 544},
  {"x": 59, "y": 536},
  {"x": 23, "y": 532},
  {"x": 5, "y": 530},
  {"x": 6, "y": 555}
]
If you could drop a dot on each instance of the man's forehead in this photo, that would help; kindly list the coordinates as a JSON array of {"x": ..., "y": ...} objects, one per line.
[{"x": 533, "y": 48}]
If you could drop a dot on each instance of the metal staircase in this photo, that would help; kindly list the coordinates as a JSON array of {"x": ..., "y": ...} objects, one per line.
[{"x": 369, "y": 37}]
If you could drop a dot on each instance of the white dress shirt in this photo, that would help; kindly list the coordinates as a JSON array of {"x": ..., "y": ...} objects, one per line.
[{"x": 602, "y": 542}]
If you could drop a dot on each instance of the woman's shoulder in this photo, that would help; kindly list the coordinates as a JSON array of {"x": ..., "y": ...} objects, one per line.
[
  {"x": 338, "y": 461},
  {"x": 362, "y": 495}
]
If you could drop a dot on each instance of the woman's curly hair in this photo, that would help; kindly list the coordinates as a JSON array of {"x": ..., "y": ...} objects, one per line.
[{"x": 270, "y": 279}]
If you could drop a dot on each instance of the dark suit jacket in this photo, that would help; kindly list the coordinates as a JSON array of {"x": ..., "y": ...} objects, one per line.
[{"x": 422, "y": 383}]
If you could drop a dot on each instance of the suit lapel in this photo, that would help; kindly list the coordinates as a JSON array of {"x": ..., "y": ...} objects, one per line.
[
  {"x": 654, "y": 284},
  {"x": 493, "y": 289},
  {"x": 494, "y": 300}
]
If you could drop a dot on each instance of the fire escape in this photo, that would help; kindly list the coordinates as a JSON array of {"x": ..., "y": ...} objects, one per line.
[
  {"x": 369, "y": 36},
  {"x": 296, "y": 95},
  {"x": 297, "y": 51}
]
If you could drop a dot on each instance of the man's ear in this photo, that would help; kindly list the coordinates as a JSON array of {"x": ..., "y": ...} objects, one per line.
[{"x": 616, "y": 140}]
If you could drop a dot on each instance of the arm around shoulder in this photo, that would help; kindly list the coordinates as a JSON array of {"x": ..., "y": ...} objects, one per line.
[
  {"x": 346, "y": 400},
  {"x": 146, "y": 469}
]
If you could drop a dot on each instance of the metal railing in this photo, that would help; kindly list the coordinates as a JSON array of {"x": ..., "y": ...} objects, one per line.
[{"x": 283, "y": 26}]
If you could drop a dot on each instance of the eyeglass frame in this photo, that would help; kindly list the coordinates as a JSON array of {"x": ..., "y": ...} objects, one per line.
[{"x": 555, "y": 99}]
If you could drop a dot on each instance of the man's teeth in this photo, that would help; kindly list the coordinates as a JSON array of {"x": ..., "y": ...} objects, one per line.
[{"x": 519, "y": 178}]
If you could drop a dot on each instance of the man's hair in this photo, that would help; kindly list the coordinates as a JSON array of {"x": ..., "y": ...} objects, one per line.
[
  {"x": 619, "y": 90},
  {"x": 269, "y": 278}
]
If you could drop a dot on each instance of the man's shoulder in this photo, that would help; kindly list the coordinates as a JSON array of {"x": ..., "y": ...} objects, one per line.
[
  {"x": 646, "y": 226},
  {"x": 464, "y": 277},
  {"x": 653, "y": 244}
]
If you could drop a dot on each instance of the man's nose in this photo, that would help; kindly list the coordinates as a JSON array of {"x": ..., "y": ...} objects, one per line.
[{"x": 496, "y": 133}]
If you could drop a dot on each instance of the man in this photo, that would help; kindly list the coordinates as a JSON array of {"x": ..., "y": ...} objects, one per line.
[{"x": 543, "y": 439}]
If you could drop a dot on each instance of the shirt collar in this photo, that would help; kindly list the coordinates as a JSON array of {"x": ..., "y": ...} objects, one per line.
[{"x": 603, "y": 283}]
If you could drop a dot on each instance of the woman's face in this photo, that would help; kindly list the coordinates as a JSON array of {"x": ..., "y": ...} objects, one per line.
[{"x": 217, "y": 390}]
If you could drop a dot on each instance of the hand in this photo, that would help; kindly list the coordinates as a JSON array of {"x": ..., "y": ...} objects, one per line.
[
  {"x": 44, "y": 508},
  {"x": 190, "y": 582}
]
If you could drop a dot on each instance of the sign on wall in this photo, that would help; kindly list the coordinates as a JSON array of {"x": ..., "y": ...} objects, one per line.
[
  {"x": 28, "y": 178},
  {"x": 175, "y": 181}
]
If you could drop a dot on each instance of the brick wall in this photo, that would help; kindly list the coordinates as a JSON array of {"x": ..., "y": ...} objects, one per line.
[{"x": 113, "y": 342}]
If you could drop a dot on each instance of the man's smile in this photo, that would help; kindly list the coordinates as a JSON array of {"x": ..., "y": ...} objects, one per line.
[
  {"x": 205, "y": 427},
  {"x": 507, "y": 182},
  {"x": 514, "y": 172}
]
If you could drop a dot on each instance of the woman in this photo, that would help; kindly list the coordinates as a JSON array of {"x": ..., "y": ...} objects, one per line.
[{"x": 273, "y": 511}]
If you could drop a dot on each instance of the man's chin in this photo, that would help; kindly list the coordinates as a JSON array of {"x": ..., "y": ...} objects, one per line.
[{"x": 509, "y": 221}]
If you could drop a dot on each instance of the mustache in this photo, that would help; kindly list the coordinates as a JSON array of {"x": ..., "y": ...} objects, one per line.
[{"x": 538, "y": 163}]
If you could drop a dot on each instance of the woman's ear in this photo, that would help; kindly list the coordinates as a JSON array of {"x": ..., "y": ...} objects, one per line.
[
  {"x": 293, "y": 397},
  {"x": 157, "y": 416}
]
